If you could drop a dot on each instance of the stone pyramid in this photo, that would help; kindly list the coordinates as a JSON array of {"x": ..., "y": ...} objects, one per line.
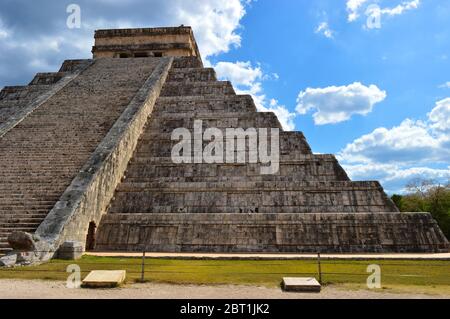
[{"x": 86, "y": 156}]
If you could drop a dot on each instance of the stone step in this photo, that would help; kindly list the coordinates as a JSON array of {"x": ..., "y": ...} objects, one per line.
[
  {"x": 8, "y": 228},
  {"x": 161, "y": 145},
  {"x": 198, "y": 88},
  {"x": 251, "y": 197},
  {"x": 300, "y": 233},
  {"x": 311, "y": 171},
  {"x": 47, "y": 78},
  {"x": 16, "y": 97},
  {"x": 145, "y": 167},
  {"x": 4, "y": 248},
  {"x": 18, "y": 196},
  {"x": 252, "y": 186},
  {"x": 250, "y": 178},
  {"x": 20, "y": 224},
  {"x": 293, "y": 159},
  {"x": 58, "y": 138},
  {"x": 29, "y": 206},
  {"x": 170, "y": 122},
  {"x": 72, "y": 66},
  {"x": 32, "y": 218},
  {"x": 4, "y": 251},
  {"x": 198, "y": 104},
  {"x": 247, "y": 209},
  {"x": 12, "y": 92},
  {"x": 192, "y": 75},
  {"x": 187, "y": 62}
]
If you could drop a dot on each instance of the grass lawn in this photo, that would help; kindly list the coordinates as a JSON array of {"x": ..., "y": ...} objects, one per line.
[{"x": 398, "y": 275}]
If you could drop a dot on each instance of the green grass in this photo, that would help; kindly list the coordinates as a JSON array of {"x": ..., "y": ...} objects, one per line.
[{"x": 415, "y": 276}]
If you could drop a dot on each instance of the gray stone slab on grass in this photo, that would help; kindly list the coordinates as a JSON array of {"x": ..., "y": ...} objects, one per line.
[
  {"x": 104, "y": 279},
  {"x": 301, "y": 284}
]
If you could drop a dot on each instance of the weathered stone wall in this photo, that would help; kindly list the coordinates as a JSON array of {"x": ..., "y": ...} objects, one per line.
[
  {"x": 43, "y": 151},
  {"x": 177, "y": 41},
  {"x": 309, "y": 205},
  {"x": 17, "y": 102},
  {"x": 87, "y": 198},
  {"x": 300, "y": 233}
]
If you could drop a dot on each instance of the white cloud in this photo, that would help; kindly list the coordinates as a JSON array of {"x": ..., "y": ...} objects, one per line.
[
  {"x": 397, "y": 155},
  {"x": 248, "y": 79},
  {"x": 325, "y": 29},
  {"x": 337, "y": 104},
  {"x": 401, "y": 8},
  {"x": 446, "y": 85},
  {"x": 4, "y": 32},
  {"x": 214, "y": 22},
  {"x": 440, "y": 116},
  {"x": 394, "y": 177},
  {"x": 240, "y": 73},
  {"x": 410, "y": 142},
  {"x": 355, "y": 8}
]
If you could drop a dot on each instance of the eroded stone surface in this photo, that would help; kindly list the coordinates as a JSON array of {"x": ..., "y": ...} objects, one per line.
[
  {"x": 78, "y": 129},
  {"x": 41, "y": 155}
]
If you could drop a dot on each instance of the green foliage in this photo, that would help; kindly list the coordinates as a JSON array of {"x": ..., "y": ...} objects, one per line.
[
  {"x": 397, "y": 199},
  {"x": 425, "y": 197}
]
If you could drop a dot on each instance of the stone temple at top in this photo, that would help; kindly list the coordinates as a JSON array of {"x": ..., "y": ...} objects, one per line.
[{"x": 85, "y": 156}]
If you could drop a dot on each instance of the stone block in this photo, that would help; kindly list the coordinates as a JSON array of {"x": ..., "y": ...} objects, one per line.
[
  {"x": 71, "y": 250},
  {"x": 104, "y": 279},
  {"x": 298, "y": 284},
  {"x": 8, "y": 260},
  {"x": 21, "y": 241}
]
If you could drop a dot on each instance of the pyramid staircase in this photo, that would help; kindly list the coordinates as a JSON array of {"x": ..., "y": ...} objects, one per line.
[
  {"x": 41, "y": 155},
  {"x": 309, "y": 205}
]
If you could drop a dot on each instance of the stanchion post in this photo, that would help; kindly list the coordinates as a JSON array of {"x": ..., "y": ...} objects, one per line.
[
  {"x": 319, "y": 267},
  {"x": 143, "y": 266}
]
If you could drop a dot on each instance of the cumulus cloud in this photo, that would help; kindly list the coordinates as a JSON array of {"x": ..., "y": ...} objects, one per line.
[
  {"x": 214, "y": 22},
  {"x": 395, "y": 177},
  {"x": 399, "y": 154},
  {"x": 401, "y": 8},
  {"x": 216, "y": 25},
  {"x": 248, "y": 79},
  {"x": 410, "y": 142},
  {"x": 324, "y": 29},
  {"x": 356, "y": 7},
  {"x": 440, "y": 116},
  {"x": 337, "y": 104},
  {"x": 240, "y": 73},
  {"x": 353, "y": 8}
]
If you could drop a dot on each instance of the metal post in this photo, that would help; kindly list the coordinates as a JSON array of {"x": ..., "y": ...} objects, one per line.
[
  {"x": 143, "y": 266},
  {"x": 319, "y": 267}
]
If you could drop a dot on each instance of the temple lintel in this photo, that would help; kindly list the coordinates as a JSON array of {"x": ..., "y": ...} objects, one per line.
[{"x": 145, "y": 42}]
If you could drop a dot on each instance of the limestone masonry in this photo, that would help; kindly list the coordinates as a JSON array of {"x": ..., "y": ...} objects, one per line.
[{"x": 85, "y": 156}]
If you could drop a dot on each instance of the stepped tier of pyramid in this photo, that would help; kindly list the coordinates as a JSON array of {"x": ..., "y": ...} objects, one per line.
[{"x": 85, "y": 155}]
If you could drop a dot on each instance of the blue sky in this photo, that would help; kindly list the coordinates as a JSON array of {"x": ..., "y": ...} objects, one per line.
[{"x": 378, "y": 97}]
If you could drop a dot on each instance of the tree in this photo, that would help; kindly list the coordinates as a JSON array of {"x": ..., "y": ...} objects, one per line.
[
  {"x": 397, "y": 199},
  {"x": 427, "y": 196}
]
